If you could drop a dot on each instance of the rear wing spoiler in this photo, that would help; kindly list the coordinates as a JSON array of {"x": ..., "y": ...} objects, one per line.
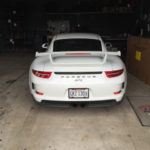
[{"x": 53, "y": 55}]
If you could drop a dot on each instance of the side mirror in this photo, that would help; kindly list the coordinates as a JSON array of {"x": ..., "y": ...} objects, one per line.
[
  {"x": 108, "y": 45},
  {"x": 45, "y": 45}
]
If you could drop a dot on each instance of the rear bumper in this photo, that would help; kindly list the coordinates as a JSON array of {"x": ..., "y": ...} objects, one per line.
[
  {"x": 97, "y": 92},
  {"x": 116, "y": 99}
]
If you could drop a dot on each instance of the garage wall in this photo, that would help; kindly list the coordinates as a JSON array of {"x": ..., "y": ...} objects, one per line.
[
  {"x": 32, "y": 26},
  {"x": 31, "y": 18}
]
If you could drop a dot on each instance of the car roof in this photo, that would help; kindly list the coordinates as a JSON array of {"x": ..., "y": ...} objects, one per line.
[{"x": 76, "y": 36}]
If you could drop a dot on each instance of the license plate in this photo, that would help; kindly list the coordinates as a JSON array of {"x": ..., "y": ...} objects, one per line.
[{"x": 78, "y": 93}]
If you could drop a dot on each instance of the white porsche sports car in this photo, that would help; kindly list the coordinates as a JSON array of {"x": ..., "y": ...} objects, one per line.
[{"x": 77, "y": 68}]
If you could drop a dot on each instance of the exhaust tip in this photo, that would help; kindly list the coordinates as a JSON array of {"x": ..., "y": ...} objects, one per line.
[
  {"x": 82, "y": 105},
  {"x": 74, "y": 105}
]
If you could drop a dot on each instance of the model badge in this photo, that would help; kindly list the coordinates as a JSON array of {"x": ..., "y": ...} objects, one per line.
[{"x": 78, "y": 80}]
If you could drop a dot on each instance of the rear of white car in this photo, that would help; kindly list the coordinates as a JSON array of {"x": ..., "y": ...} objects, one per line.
[{"x": 78, "y": 76}]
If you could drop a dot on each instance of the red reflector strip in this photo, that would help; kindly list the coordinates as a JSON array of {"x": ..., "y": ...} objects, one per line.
[
  {"x": 118, "y": 92},
  {"x": 39, "y": 93},
  {"x": 114, "y": 73},
  {"x": 42, "y": 74}
]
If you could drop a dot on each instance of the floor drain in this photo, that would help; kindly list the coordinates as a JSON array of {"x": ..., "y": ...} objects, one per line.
[{"x": 145, "y": 108}]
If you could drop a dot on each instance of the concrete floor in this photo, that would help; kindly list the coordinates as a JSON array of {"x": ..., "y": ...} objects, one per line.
[{"x": 27, "y": 126}]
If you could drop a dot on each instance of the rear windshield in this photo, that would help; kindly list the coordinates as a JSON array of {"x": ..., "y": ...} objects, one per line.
[{"x": 77, "y": 45}]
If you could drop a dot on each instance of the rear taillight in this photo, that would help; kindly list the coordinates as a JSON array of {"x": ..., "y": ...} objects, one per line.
[
  {"x": 113, "y": 73},
  {"x": 42, "y": 74}
]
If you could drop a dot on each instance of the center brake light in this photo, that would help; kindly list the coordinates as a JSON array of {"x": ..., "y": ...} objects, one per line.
[
  {"x": 42, "y": 74},
  {"x": 114, "y": 73},
  {"x": 78, "y": 54}
]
